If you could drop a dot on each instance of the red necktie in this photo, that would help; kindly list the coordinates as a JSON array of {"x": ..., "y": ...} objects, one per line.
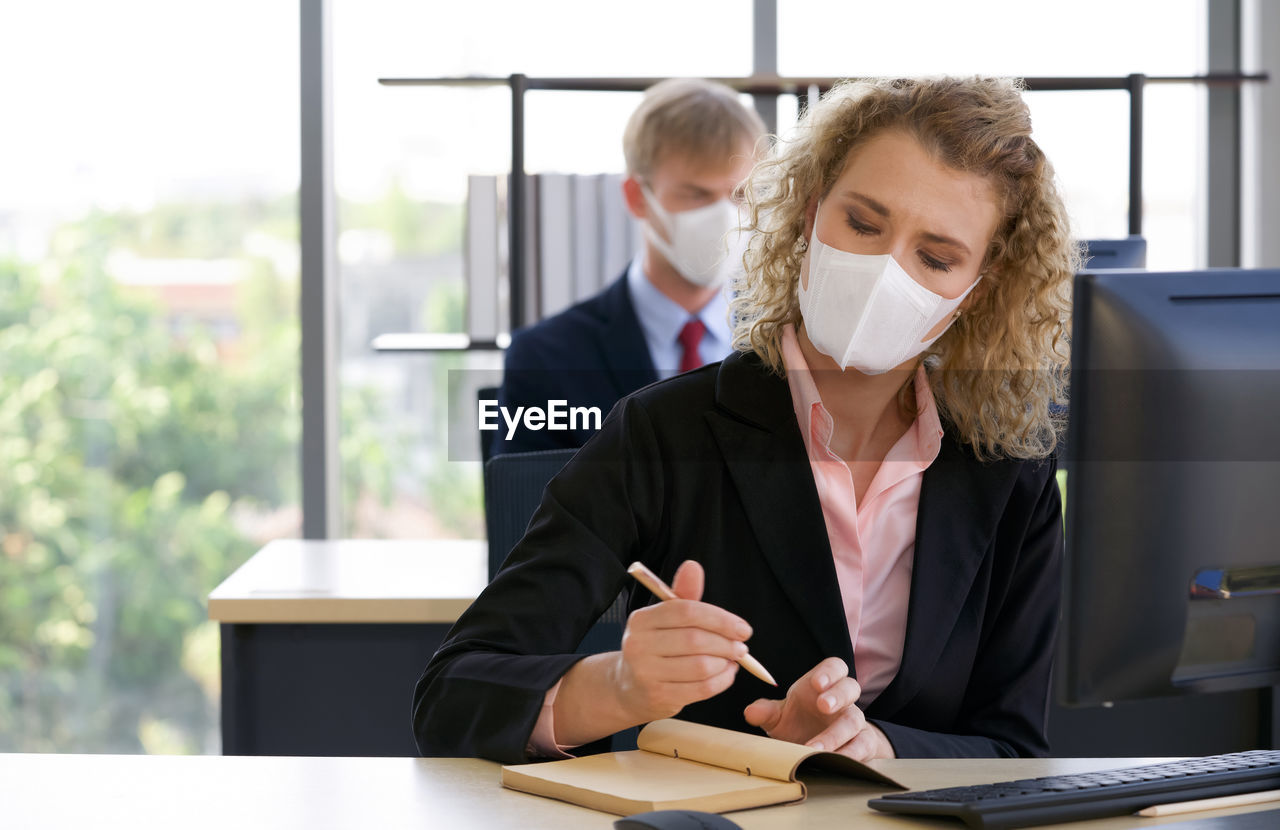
[{"x": 690, "y": 337}]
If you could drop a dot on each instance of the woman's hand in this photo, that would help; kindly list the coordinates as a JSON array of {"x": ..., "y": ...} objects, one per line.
[
  {"x": 677, "y": 652},
  {"x": 821, "y": 710}
]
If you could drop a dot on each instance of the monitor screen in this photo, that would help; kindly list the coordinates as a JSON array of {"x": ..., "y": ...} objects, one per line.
[
  {"x": 1130, "y": 252},
  {"x": 1172, "y": 578}
]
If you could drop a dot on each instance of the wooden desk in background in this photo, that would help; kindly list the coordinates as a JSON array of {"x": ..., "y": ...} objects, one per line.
[
  {"x": 141, "y": 792},
  {"x": 322, "y": 641}
]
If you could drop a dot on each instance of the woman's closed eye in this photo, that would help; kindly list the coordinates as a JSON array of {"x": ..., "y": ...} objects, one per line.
[
  {"x": 859, "y": 227},
  {"x": 862, "y": 228},
  {"x": 934, "y": 264}
]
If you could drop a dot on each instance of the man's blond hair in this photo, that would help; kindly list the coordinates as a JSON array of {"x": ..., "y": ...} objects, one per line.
[{"x": 693, "y": 117}]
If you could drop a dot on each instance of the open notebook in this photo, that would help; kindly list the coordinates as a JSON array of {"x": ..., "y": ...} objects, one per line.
[{"x": 684, "y": 765}]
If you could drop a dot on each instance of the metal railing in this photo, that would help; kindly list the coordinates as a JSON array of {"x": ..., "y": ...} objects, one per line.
[{"x": 802, "y": 87}]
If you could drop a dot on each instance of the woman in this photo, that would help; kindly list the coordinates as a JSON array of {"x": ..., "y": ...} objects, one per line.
[{"x": 865, "y": 490}]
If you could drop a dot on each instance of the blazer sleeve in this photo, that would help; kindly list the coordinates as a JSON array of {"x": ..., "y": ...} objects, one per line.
[
  {"x": 1004, "y": 710},
  {"x": 481, "y": 693}
]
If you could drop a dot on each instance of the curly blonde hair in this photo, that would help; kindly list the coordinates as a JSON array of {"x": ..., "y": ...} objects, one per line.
[{"x": 997, "y": 371}]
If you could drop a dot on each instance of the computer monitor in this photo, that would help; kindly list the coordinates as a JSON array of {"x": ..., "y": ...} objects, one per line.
[
  {"x": 1172, "y": 577},
  {"x": 1130, "y": 252}
]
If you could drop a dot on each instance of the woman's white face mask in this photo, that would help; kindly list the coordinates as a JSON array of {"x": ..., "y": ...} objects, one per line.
[
  {"x": 705, "y": 243},
  {"x": 866, "y": 312}
]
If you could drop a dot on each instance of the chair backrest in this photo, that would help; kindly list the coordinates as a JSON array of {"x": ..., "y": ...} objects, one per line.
[
  {"x": 513, "y": 486},
  {"x": 487, "y": 393}
]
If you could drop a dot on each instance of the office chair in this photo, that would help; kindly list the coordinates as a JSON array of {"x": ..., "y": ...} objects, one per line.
[{"x": 513, "y": 485}]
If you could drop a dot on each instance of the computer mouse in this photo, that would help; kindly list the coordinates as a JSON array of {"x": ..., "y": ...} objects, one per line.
[{"x": 676, "y": 820}]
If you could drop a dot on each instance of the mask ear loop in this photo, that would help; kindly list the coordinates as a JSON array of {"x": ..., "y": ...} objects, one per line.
[
  {"x": 960, "y": 311},
  {"x": 658, "y": 211}
]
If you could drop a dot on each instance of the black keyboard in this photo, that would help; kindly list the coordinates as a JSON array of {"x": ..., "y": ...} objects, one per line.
[{"x": 1114, "y": 792}]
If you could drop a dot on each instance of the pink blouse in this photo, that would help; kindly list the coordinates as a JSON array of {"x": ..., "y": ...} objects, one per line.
[{"x": 873, "y": 543}]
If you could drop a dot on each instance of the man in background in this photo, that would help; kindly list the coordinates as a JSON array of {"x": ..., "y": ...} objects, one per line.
[{"x": 688, "y": 146}]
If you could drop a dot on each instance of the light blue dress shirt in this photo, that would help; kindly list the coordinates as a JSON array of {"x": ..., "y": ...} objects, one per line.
[{"x": 661, "y": 320}]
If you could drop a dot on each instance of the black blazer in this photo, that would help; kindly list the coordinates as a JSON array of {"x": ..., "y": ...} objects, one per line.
[
  {"x": 711, "y": 465},
  {"x": 591, "y": 354}
]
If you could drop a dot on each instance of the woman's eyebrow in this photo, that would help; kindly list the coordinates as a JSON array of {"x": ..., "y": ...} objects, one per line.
[
  {"x": 879, "y": 208},
  {"x": 950, "y": 242},
  {"x": 868, "y": 201}
]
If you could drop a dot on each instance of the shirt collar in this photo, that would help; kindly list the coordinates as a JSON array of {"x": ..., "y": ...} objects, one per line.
[
  {"x": 662, "y": 318},
  {"x": 919, "y": 445}
]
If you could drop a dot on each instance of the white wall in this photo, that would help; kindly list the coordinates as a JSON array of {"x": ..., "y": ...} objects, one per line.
[{"x": 1260, "y": 152}]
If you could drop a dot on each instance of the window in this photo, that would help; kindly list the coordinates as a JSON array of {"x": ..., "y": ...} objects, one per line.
[
  {"x": 1085, "y": 134},
  {"x": 148, "y": 356},
  {"x": 402, "y": 157}
]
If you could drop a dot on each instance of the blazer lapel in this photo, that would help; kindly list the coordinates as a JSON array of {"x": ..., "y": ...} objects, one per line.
[
  {"x": 622, "y": 341},
  {"x": 959, "y": 508},
  {"x": 755, "y": 428}
]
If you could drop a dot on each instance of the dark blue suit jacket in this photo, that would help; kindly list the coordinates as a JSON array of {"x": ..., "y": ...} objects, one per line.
[{"x": 589, "y": 355}]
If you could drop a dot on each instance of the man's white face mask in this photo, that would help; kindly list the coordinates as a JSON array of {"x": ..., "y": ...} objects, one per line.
[
  {"x": 705, "y": 243},
  {"x": 866, "y": 312}
]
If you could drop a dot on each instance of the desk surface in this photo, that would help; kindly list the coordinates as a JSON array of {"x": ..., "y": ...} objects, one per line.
[
  {"x": 104, "y": 792},
  {"x": 354, "y": 581}
]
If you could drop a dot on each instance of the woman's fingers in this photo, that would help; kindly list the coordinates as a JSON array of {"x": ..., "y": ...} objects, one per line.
[
  {"x": 764, "y": 713},
  {"x": 839, "y": 696},
  {"x": 829, "y": 671},
  {"x": 689, "y": 580},
  {"x": 683, "y": 642},
  {"x": 666, "y": 698},
  {"x": 689, "y": 669},
  {"x": 653, "y": 697},
  {"x": 840, "y": 731},
  {"x": 683, "y": 613},
  {"x": 680, "y": 651},
  {"x": 820, "y": 708},
  {"x": 863, "y": 747},
  {"x": 693, "y": 691}
]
